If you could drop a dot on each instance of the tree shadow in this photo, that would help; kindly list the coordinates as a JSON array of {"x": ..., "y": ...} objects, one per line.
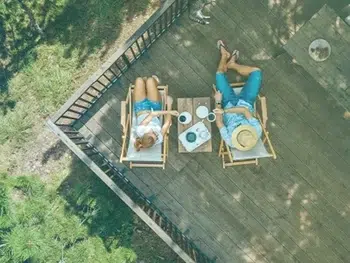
[
  {"x": 55, "y": 152},
  {"x": 98, "y": 207},
  {"x": 91, "y": 25},
  {"x": 108, "y": 217}
]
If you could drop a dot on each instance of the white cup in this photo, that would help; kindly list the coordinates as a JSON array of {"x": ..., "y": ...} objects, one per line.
[
  {"x": 185, "y": 115},
  {"x": 211, "y": 115}
]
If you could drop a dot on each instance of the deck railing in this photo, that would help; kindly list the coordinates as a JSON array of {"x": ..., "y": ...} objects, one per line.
[{"x": 62, "y": 124}]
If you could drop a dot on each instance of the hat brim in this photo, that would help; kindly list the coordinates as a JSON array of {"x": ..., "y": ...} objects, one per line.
[{"x": 239, "y": 129}]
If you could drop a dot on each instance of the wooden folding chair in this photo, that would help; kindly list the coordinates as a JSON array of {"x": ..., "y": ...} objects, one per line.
[
  {"x": 263, "y": 149},
  {"x": 155, "y": 156}
]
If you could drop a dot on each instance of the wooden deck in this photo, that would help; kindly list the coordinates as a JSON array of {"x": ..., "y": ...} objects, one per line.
[{"x": 293, "y": 209}]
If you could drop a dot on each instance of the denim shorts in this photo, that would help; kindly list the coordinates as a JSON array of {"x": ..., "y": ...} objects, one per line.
[
  {"x": 249, "y": 91},
  {"x": 147, "y": 104}
]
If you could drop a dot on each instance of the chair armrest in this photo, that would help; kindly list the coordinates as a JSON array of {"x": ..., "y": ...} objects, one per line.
[
  {"x": 263, "y": 110},
  {"x": 237, "y": 84},
  {"x": 123, "y": 115}
]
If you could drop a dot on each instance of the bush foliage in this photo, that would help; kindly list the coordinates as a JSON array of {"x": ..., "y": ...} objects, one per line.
[{"x": 38, "y": 225}]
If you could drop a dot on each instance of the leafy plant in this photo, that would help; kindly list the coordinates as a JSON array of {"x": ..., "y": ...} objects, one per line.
[{"x": 37, "y": 225}]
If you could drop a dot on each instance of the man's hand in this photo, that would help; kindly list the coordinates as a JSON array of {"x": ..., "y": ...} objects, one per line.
[
  {"x": 218, "y": 111},
  {"x": 174, "y": 113},
  {"x": 218, "y": 97}
]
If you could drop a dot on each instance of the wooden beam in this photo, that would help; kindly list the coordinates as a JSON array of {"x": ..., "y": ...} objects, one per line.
[{"x": 119, "y": 192}]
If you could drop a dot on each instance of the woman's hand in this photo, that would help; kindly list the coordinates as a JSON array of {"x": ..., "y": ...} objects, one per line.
[
  {"x": 218, "y": 97},
  {"x": 218, "y": 111},
  {"x": 154, "y": 113}
]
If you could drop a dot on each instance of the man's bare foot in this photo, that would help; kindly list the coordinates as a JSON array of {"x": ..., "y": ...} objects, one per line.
[
  {"x": 224, "y": 53},
  {"x": 234, "y": 57}
]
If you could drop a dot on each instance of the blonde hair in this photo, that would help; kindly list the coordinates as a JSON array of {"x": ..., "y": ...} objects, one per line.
[{"x": 146, "y": 141}]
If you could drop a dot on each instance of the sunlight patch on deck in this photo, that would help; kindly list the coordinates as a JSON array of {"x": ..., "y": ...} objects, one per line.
[
  {"x": 273, "y": 3},
  {"x": 291, "y": 190},
  {"x": 261, "y": 56},
  {"x": 187, "y": 43},
  {"x": 304, "y": 220},
  {"x": 237, "y": 196}
]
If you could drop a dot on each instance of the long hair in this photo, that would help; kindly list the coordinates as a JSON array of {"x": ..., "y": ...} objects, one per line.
[{"x": 146, "y": 141}]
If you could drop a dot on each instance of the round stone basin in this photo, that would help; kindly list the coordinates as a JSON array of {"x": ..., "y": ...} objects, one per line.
[{"x": 320, "y": 50}]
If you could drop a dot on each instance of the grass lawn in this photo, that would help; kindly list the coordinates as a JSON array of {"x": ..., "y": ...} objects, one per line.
[{"x": 37, "y": 75}]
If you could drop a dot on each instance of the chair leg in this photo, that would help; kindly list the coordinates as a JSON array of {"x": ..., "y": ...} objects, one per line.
[{"x": 220, "y": 147}]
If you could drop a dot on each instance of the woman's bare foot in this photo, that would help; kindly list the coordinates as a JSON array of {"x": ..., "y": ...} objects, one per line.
[{"x": 156, "y": 78}]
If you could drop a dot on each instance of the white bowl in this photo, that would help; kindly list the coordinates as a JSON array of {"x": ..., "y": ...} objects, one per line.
[
  {"x": 204, "y": 135},
  {"x": 202, "y": 112},
  {"x": 187, "y": 115}
]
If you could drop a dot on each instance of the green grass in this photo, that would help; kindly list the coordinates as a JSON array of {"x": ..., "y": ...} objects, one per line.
[{"x": 39, "y": 89}]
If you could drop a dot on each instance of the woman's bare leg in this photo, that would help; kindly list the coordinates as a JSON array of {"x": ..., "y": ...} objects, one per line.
[
  {"x": 241, "y": 69},
  {"x": 139, "y": 90},
  {"x": 152, "y": 90}
]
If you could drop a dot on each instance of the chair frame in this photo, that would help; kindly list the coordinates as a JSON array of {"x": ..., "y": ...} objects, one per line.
[
  {"x": 126, "y": 123},
  {"x": 225, "y": 151}
]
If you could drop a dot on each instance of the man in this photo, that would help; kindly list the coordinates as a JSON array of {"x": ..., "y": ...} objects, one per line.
[{"x": 234, "y": 113}]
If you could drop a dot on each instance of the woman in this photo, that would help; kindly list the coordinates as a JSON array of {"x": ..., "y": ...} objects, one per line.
[{"x": 148, "y": 108}]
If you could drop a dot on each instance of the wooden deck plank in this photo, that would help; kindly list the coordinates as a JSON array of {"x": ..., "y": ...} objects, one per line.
[
  {"x": 246, "y": 212},
  {"x": 194, "y": 207},
  {"x": 188, "y": 223},
  {"x": 211, "y": 166},
  {"x": 260, "y": 197},
  {"x": 308, "y": 128},
  {"x": 316, "y": 178},
  {"x": 310, "y": 105}
]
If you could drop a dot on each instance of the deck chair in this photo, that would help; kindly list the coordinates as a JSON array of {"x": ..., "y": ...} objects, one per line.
[
  {"x": 155, "y": 156},
  {"x": 263, "y": 149}
]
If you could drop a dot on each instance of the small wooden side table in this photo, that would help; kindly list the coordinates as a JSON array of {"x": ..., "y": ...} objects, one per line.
[{"x": 190, "y": 105}]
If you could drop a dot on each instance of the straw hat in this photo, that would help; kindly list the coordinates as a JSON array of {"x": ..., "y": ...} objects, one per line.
[{"x": 244, "y": 137}]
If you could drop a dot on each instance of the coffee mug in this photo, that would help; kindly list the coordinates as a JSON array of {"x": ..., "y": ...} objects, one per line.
[
  {"x": 211, "y": 117},
  {"x": 185, "y": 117}
]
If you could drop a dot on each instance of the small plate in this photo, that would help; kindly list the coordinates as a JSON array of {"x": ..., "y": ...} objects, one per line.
[
  {"x": 202, "y": 112},
  {"x": 187, "y": 115}
]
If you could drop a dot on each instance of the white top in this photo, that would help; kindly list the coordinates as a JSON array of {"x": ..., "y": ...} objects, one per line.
[{"x": 154, "y": 125}]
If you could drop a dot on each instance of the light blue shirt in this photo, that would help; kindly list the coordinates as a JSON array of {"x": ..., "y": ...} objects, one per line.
[{"x": 232, "y": 120}]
